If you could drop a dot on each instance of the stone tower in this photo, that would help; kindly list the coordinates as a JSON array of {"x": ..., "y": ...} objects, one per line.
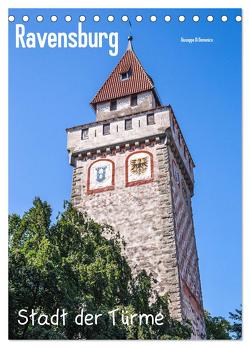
[{"x": 133, "y": 170}]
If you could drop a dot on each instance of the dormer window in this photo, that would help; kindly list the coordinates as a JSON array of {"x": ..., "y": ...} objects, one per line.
[
  {"x": 125, "y": 75},
  {"x": 113, "y": 105}
]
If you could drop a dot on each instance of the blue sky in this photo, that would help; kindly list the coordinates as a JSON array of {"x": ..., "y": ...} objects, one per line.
[{"x": 50, "y": 90}]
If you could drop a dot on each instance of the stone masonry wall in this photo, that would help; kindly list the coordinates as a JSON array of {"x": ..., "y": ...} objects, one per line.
[
  {"x": 145, "y": 101},
  {"x": 186, "y": 251},
  {"x": 143, "y": 215}
]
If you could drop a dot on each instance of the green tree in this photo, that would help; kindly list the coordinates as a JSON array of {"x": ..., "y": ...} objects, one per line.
[
  {"x": 217, "y": 328},
  {"x": 70, "y": 264},
  {"x": 236, "y": 327}
]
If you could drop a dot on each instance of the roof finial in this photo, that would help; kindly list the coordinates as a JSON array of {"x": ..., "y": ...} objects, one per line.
[
  {"x": 130, "y": 47},
  {"x": 130, "y": 37}
]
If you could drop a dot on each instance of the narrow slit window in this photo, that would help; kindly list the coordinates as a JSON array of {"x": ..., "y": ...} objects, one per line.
[
  {"x": 185, "y": 152},
  {"x": 113, "y": 105},
  {"x": 179, "y": 138},
  {"x": 176, "y": 174},
  {"x": 150, "y": 119},
  {"x": 106, "y": 128},
  {"x": 85, "y": 134},
  {"x": 128, "y": 124},
  {"x": 133, "y": 101}
]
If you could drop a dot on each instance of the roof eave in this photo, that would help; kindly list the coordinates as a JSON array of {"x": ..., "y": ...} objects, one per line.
[{"x": 93, "y": 104}]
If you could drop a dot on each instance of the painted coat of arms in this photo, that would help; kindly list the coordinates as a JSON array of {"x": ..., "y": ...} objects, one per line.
[
  {"x": 139, "y": 165},
  {"x": 101, "y": 173}
]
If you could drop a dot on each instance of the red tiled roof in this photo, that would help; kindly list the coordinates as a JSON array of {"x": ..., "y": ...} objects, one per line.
[{"x": 115, "y": 87}]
